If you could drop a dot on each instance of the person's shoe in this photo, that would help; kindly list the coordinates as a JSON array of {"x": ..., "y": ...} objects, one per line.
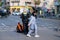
[
  {"x": 28, "y": 35},
  {"x": 36, "y": 35}
]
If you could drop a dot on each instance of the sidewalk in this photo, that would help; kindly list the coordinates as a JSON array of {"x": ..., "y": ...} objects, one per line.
[{"x": 45, "y": 34}]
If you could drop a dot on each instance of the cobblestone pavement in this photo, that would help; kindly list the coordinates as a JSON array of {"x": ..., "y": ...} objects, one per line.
[{"x": 45, "y": 26}]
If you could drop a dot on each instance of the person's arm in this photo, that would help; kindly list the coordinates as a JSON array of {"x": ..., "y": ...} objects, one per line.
[{"x": 30, "y": 22}]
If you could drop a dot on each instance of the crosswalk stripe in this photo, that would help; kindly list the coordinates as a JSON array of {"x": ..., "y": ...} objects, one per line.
[{"x": 3, "y": 24}]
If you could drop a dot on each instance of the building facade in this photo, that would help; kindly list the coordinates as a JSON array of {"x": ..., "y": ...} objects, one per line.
[
  {"x": 22, "y": 3},
  {"x": 19, "y": 2}
]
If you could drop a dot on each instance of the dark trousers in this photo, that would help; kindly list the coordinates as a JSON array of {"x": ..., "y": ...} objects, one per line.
[{"x": 25, "y": 27}]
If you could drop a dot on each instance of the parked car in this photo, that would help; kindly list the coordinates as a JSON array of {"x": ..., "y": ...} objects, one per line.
[
  {"x": 16, "y": 13},
  {"x": 4, "y": 12},
  {"x": 58, "y": 16},
  {"x": 8, "y": 12}
]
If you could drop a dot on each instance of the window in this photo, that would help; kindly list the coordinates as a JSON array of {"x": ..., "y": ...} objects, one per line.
[
  {"x": 27, "y": 3},
  {"x": 44, "y": 0},
  {"x": 15, "y": 2}
]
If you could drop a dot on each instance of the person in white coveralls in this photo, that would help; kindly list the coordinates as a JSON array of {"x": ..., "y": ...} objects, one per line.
[{"x": 32, "y": 26}]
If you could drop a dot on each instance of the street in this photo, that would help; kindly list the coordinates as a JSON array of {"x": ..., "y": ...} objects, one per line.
[{"x": 45, "y": 29}]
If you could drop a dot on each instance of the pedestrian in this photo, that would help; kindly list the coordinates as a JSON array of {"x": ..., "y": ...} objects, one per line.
[
  {"x": 21, "y": 10},
  {"x": 25, "y": 20},
  {"x": 32, "y": 26},
  {"x": 35, "y": 14}
]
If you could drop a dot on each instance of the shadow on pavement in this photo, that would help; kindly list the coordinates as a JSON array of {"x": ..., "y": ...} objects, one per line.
[{"x": 57, "y": 36}]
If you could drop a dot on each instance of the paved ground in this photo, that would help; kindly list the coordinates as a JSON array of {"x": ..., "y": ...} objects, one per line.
[
  {"x": 45, "y": 29},
  {"x": 45, "y": 34}
]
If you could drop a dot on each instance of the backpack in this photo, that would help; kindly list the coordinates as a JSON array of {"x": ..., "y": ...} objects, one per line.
[{"x": 19, "y": 28}]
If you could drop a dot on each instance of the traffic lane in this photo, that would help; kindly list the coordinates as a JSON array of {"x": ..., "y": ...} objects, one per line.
[
  {"x": 48, "y": 22},
  {"x": 10, "y": 21},
  {"x": 44, "y": 35},
  {"x": 13, "y": 20}
]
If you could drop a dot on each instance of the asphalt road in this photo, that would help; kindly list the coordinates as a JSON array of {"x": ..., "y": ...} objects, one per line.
[
  {"x": 8, "y": 29},
  {"x": 11, "y": 21}
]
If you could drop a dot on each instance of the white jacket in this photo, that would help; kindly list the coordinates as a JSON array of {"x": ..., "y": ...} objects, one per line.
[{"x": 32, "y": 22}]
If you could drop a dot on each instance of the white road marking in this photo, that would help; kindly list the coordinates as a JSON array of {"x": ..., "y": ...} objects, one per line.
[{"x": 3, "y": 24}]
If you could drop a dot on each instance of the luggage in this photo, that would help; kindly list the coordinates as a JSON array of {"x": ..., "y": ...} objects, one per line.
[{"x": 19, "y": 28}]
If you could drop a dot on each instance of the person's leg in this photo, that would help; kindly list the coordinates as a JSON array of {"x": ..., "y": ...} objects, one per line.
[
  {"x": 27, "y": 29},
  {"x": 35, "y": 29},
  {"x": 24, "y": 28},
  {"x": 36, "y": 35},
  {"x": 29, "y": 33}
]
